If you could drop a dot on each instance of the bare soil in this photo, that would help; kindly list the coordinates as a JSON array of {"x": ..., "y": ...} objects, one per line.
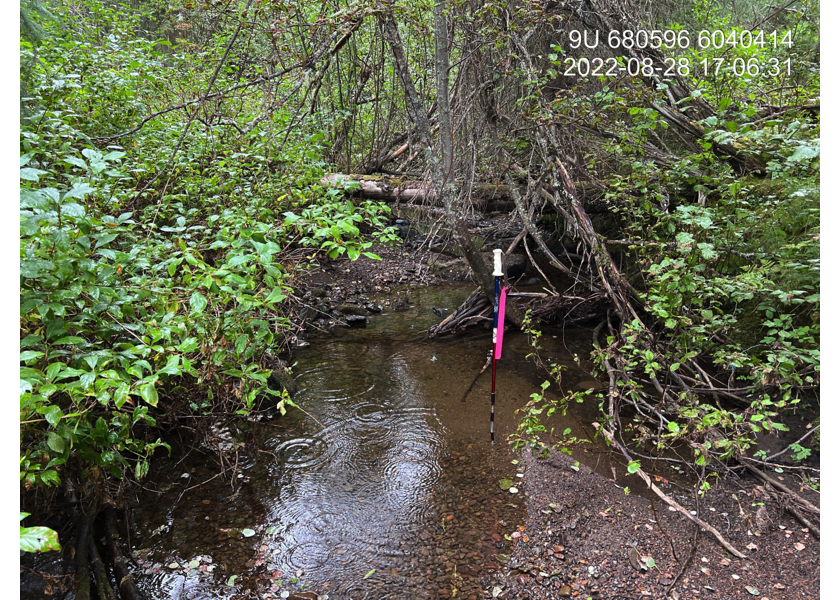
[{"x": 585, "y": 538}]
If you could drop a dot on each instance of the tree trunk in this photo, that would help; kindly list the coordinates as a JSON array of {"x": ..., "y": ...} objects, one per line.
[{"x": 440, "y": 165}]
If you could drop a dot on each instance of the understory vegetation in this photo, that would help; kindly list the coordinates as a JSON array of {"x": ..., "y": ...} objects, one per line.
[
  {"x": 172, "y": 165},
  {"x": 155, "y": 267},
  {"x": 721, "y": 254}
]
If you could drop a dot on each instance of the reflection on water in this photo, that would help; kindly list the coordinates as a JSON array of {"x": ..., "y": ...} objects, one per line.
[
  {"x": 387, "y": 486},
  {"x": 365, "y": 480}
]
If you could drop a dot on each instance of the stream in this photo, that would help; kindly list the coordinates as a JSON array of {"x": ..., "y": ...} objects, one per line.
[{"x": 385, "y": 487}]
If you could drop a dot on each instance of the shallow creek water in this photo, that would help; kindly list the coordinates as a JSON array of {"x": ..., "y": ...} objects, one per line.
[{"x": 386, "y": 487}]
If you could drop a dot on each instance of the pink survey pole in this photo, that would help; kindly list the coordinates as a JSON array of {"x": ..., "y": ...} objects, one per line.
[{"x": 498, "y": 332}]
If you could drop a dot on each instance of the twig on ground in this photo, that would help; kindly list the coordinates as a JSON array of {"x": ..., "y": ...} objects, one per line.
[{"x": 780, "y": 486}]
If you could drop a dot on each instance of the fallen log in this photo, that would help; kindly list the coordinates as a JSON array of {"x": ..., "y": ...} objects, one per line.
[{"x": 487, "y": 197}]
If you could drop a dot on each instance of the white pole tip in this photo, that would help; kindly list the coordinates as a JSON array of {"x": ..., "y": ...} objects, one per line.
[{"x": 497, "y": 263}]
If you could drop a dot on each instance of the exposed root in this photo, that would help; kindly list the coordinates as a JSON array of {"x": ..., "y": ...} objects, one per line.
[
  {"x": 125, "y": 580},
  {"x": 793, "y": 496},
  {"x": 103, "y": 584}
]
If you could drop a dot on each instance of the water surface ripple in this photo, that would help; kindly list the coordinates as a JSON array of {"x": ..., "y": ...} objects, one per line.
[{"x": 385, "y": 487}]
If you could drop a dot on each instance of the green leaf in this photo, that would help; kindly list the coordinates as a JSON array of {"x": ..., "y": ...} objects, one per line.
[
  {"x": 231, "y": 580},
  {"x": 56, "y": 442},
  {"x": 673, "y": 427},
  {"x": 121, "y": 395},
  {"x": 54, "y": 369},
  {"x": 52, "y": 413},
  {"x": 172, "y": 366},
  {"x": 38, "y": 539},
  {"x": 805, "y": 152},
  {"x": 75, "y": 161},
  {"x": 248, "y": 533},
  {"x": 276, "y": 295},
  {"x": 30, "y": 355},
  {"x": 73, "y": 209},
  {"x": 79, "y": 191},
  {"x": 369, "y": 573},
  {"x": 30, "y": 174},
  {"x": 149, "y": 393},
  {"x": 51, "y": 477},
  {"x": 69, "y": 340},
  {"x": 197, "y": 302},
  {"x": 633, "y": 466}
]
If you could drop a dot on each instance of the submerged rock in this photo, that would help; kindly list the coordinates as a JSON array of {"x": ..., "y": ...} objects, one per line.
[
  {"x": 350, "y": 309},
  {"x": 356, "y": 320}
]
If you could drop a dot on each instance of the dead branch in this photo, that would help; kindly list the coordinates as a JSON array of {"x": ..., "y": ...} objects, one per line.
[
  {"x": 469, "y": 389},
  {"x": 667, "y": 499},
  {"x": 780, "y": 486}
]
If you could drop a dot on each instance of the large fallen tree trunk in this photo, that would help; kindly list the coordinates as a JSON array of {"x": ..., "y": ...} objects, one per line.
[{"x": 486, "y": 197}]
